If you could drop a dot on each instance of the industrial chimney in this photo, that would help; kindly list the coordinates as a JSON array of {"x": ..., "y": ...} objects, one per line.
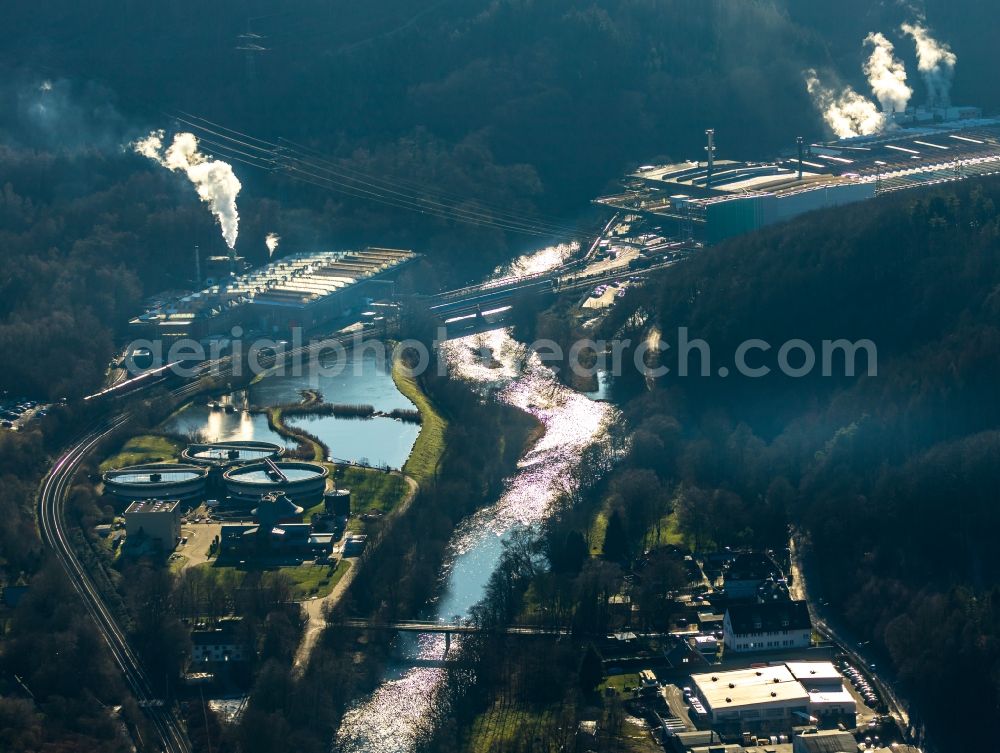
[
  {"x": 197, "y": 266},
  {"x": 799, "y": 141},
  {"x": 710, "y": 133}
]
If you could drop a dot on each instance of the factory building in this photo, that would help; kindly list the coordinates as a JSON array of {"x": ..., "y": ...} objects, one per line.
[
  {"x": 760, "y": 698},
  {"x": 829, "y": 698},
  {"x": 717, "y": 199},
  {"x": 278, "y": 530},
  {"x": 156, "y": 520},
  {"x": 301, "y": 290},
  {"x": 290, "y": 539},
  {"x": 774, "y": 698}
]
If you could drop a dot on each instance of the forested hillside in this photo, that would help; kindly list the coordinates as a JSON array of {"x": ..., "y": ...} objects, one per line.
[
  {"x": 527, "y": 108},
  {"x": 893, "y": 476}
]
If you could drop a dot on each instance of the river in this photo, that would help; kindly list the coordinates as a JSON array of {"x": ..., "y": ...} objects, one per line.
[{"x": 403, "y": 707}]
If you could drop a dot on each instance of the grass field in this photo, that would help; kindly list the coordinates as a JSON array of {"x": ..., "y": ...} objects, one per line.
[
  {"x": 145, "y": 448},
  {"x": 371, "y": 491},
  {"x": 498, "y": 727},
  {"x": 427, "y": 450},
  {"x": 619, "y": 682},
  {"x": 668, "y": 534},
  {"x": 308, "y": 579},
  {"x": 597, "y": 531}
]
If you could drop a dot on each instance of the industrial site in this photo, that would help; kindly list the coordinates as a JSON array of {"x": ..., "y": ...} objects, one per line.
[
  {"x": 712, "y": 199},
  {"x": 301, "y": 290},
  {"x": 246, "y": 487},
  {"x": 499, "y": 377}
]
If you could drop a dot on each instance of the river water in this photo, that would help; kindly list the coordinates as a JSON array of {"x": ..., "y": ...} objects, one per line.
[{"x": 403, "y": 708}]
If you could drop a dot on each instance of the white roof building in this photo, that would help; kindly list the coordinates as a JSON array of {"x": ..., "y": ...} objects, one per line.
[
  {"x": 752, "y": 695},
  {"x": 774, "y": 697}
]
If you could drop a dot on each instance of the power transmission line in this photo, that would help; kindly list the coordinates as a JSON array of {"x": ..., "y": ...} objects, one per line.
[
  {"x": 288, "y": 148},
  {"x": 290, "y": 159}
]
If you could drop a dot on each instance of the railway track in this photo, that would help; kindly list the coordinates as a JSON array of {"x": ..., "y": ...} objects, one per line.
[
  {"x": 51, "y": 501},
  {"x": 163, "y": 718}
]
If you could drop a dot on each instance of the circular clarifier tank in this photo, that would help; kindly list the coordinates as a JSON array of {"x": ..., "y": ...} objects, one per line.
[
  {"x": 156, "y": 481},
  {"x": 301, "y": 482},
  {"x": 225, "y": 454}
]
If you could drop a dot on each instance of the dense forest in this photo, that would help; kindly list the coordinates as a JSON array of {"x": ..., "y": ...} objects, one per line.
[
  {"x": 507, "y": 108},
  {"x": 891, "y": 477},
  {"x": 526, "y": 108}
]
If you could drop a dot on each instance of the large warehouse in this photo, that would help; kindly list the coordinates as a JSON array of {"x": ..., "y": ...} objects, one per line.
[
  {"x": 717, "y": 199},
  {"x": 775, "y": 698},
  {"x": 301, "y": 290}
]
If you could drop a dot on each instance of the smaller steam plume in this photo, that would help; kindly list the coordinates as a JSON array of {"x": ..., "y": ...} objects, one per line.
[
  {"x": 847, "y": 113},
  {"x": 214, "y": 180},
  {"x": 936, "y": 63},
  {"x": 271, "y": 241},
  {"x": 886, "y": 74}
]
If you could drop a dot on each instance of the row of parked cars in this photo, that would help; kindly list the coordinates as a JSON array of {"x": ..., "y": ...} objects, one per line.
[
  {"x": 12, "y": 411},
  {"x": 861, "y": 684}
]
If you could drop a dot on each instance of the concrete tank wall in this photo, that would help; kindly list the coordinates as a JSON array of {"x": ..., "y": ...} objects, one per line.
[
  {"x": 157, "y": 481},
  {"x": 305, "y": 485}
]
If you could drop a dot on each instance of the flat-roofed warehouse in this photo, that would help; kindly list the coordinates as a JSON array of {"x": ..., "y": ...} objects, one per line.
[
  {"x": 724, "y": 198},
  {"x": 776, "y": 697},
  {"x": 301, "y": 290},
  {"x": 759, "y": 695}
]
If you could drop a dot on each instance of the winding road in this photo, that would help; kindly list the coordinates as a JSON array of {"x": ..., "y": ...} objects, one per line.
[{"x": 897, "y": 706}]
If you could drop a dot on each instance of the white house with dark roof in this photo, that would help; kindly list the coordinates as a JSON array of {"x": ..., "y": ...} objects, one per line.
[{"x": 773, "y": 626}]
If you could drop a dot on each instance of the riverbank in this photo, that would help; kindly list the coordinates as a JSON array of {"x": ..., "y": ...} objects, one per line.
[{"x": 425, "y": 457}]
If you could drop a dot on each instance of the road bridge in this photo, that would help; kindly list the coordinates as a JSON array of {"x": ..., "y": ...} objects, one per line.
[{"x": 456, "y": 628}]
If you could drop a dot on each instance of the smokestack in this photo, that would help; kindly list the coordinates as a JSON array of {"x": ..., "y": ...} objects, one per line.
[
  {"x": 197, "y": 266},
  {"x": 710, "y": 133},
  {"x": 799, "y": 141}
]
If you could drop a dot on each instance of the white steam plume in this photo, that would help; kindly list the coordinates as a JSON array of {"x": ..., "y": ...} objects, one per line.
[
  {"x": 886, "y": 75},
  {"x": 271, "y": 241},
  {"x": 936, "y": 63},
  {"x": 846, "y": 112},
  {"x": 215, "y": 181}
]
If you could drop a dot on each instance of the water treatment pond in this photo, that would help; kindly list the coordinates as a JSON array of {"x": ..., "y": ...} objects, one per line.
[{"x": 361, "y": 378}]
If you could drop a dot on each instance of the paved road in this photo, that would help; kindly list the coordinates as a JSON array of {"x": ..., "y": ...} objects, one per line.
[
  {"x": 826, "y": 625},
  {"x": 316, "y": 609}
]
